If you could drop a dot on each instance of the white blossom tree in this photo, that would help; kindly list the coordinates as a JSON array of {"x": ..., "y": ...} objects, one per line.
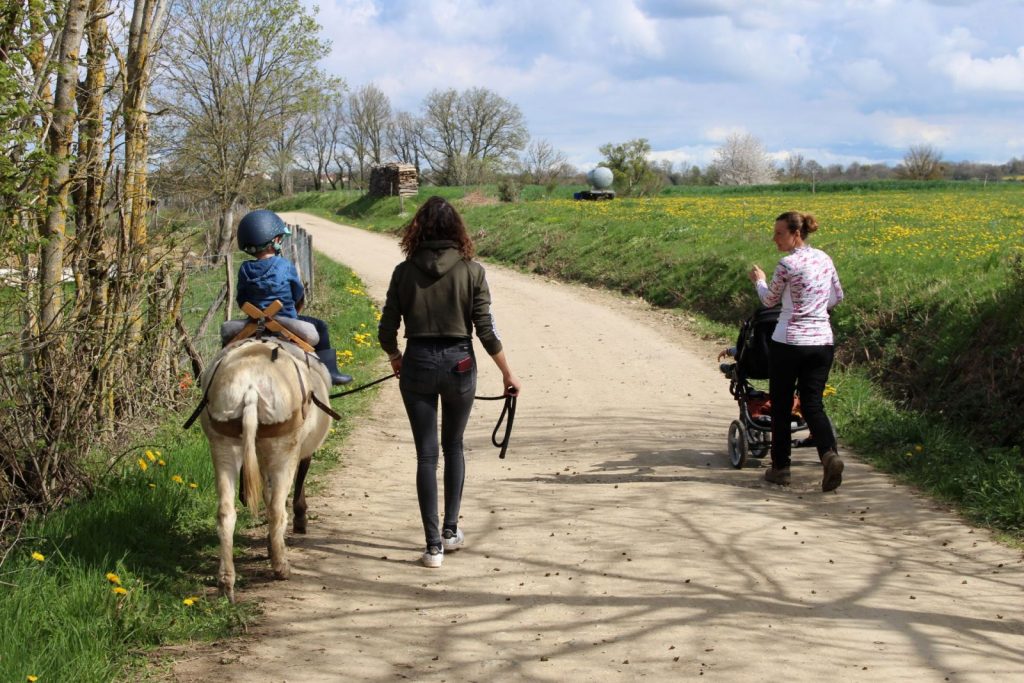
[{"x": 743, "y": 161}]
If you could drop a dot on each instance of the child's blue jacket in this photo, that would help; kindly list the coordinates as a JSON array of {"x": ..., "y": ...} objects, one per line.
[{"x": 260, "y": 281}]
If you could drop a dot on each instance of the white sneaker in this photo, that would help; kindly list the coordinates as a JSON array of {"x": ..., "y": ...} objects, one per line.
[
  {"x": 453, "y": 540},
  {"x": 433, "y": 557}
]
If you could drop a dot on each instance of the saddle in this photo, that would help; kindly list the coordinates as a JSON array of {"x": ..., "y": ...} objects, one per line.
[{"x": 298, "y": 332}]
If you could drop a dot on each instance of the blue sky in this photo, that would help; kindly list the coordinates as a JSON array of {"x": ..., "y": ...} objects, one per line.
[{"x": 835, "y": 80}]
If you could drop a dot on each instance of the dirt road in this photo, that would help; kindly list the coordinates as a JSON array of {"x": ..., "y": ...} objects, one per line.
[{"x": 615, "y": 542}]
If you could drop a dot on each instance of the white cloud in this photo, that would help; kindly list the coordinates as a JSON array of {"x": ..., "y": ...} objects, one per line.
[
  {"x": 719, "y": 134},
  {"x": 999, "y": 74},
  {"x": 867, "y": 76},
  {"x": 904, "y": 131},
  {"x": 858, "y": 79},
  {"x": 690, "y": 155}
]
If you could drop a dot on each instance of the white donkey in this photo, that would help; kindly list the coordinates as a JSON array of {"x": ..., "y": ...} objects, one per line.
[{"x": 262, "y": 418}]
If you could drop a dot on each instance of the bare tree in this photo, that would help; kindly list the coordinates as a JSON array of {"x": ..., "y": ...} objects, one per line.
[
  {"x": 404, "y": 137},
  {"x": 794, "y": 167},
  {"x": 922, "y": 162},
  {"x": 743, "y": 161},
  {"x": 283, "y": 148},
  {"x": 238, "y": 71},
  {"x": 494, "y": 127},
  {"x": 322, "y": 137},
  {"x": 543, "y": 162},
  {"x": 443, "y": 139},
  {"x": 298, "y": 141},
  {"x": 466, "y": 135},
  {"x": 365, "y": 126}
]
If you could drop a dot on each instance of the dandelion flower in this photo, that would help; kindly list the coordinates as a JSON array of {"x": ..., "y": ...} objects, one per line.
[
  {"x": 150, "y": 456},
  {"x": 193, "y": 485},
  {"x": 142, "y": 465},
  {"x": 919, "y": 448},
  {"x": 189, "y": 601},
  {"x": 829, "y": 390},
  {"x": 177, "y": 479},
  {"x": 152, "y": 486},
  {"x": 31, "y": 679},
  {"x": 161, "y": 463},
  {"x": 38, "y": 556},
  {"x": 118, "y": 590},
  {"x": 113, "y": 578}
]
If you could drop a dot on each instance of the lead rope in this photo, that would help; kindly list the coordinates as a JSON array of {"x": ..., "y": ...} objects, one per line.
[{"x": 509, "y": 410}]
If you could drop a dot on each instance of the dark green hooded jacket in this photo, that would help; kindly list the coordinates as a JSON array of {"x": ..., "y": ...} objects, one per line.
[{"x": 437, "y": 293}]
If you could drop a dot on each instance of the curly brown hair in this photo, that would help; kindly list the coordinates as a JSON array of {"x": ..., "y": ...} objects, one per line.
[{"x": 436, "y": 219}]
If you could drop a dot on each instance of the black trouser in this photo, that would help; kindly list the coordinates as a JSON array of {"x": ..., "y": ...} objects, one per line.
[
  {"x": 429, "y": 372},
  {"x": 805, "y": 368},
  {"x": 321, "y": 329}
]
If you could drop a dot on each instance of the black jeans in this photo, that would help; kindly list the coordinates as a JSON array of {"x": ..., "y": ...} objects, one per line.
[
  {"x": 432, "y": 369},
  {"x": 321, "y": 329},
  {"x": 805, "y": 368}
]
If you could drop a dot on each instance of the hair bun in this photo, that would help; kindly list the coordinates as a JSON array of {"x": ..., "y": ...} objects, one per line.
[{"x": 810, "y": 223}]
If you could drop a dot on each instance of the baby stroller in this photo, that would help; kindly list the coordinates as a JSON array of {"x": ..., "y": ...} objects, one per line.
[{"x": 750, "y": 436}]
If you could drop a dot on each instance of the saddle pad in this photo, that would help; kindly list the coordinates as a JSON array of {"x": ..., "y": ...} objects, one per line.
[{"x": 304, "y": 330}]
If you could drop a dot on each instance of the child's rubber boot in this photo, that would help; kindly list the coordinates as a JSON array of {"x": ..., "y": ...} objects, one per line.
[{"x": 329, "y": 357}]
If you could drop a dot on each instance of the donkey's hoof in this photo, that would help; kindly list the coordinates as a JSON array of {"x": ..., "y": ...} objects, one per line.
[
  {"x": 228, "y": 592},
  {"x": 282, "y": 574},
  {"x": 299, "y": 527}
]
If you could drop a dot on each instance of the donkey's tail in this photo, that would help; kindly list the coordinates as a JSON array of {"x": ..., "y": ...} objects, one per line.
[{"x": 251, "y": 479}]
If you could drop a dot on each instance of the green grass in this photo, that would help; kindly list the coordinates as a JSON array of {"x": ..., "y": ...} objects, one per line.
[
  {"x": 931, "y": 329},
  {"x": 155, "y": 529}
]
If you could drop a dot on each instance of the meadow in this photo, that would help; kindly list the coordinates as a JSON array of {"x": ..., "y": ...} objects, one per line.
[
  {"x": 930, "y": 336},
  {"x": 89, "y": 592}
]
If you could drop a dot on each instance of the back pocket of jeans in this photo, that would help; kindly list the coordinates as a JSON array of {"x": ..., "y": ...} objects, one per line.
[{"x": 464, "y": 366}]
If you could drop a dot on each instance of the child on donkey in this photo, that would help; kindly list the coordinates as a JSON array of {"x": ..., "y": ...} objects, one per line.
[{"x": 270, "y": 276}]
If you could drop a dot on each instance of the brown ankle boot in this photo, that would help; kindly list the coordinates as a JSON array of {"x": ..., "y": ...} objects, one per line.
[
  {"x": 777, "y": 476},
  {"x": 833, "y": 476}
]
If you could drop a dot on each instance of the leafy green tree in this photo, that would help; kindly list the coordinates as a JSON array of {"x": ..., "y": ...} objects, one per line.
[
  {"x": 634, "y": 174},
  {"x": 238, "y": 71}
]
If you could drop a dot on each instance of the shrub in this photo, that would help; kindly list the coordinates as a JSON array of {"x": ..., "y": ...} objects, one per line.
[{"x": 509, "y": 189}]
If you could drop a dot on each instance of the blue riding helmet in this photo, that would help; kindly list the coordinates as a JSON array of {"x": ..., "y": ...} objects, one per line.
[{"x": 257, "y": 230}]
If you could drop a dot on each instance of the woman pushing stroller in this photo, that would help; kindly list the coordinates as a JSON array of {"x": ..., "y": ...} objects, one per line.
[{"x": 806, "y": 283}]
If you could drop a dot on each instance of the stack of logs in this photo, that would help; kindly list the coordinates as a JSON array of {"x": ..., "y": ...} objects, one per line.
[{"x": 392, "y": 180}]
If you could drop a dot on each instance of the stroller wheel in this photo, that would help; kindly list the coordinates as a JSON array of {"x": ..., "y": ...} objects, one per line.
[
  {"x": 738, "y": 448},
  {"x": 759, "y": 443}
]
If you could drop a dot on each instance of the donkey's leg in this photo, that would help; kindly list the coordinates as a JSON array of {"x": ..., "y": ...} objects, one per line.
[
  {"x": 299, "y": 497},
  {"x": 226, "y": 462},
  {"x": 278, "y": 483}
]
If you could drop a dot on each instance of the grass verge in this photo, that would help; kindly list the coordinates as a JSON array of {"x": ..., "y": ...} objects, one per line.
[{"x": 87, "y": 592}]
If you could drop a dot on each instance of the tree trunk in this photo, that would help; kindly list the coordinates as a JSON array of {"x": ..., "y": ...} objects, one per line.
[
  {"x": 91, "y": 172},
  {"x": 225, "y": 228},
  {"x": 147, "y": 20},
  {"x": 54, "y": 231}
]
